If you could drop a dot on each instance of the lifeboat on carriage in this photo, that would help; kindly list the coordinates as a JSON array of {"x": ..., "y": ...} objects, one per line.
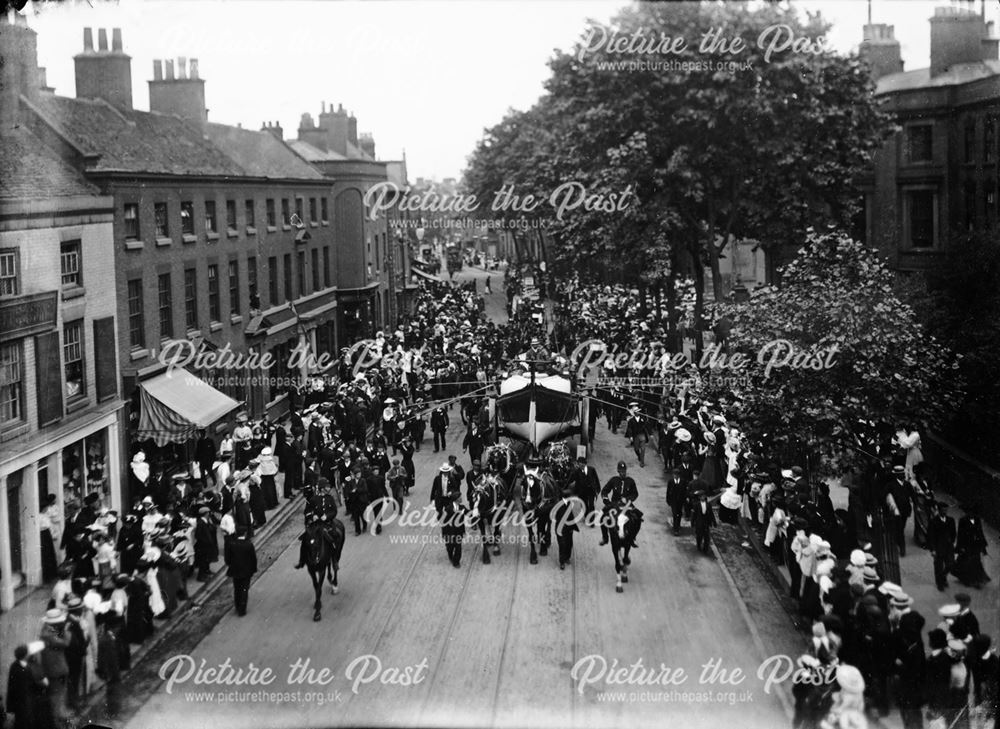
[{"x": 536, "y": 406}]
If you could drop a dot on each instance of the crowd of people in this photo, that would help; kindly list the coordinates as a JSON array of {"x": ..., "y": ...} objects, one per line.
[
  {"x": 867, "y": 651},
  {"x": 352, "y": 433}
]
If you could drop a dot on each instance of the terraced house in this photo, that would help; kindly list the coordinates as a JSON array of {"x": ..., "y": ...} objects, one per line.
[{"x": 224, "y": 238}]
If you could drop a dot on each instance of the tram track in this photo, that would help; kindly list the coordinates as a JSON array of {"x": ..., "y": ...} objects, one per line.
[{"x": 506, "y": 635}]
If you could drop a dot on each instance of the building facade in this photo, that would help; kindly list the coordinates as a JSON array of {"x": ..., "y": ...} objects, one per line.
[
  {"x": 936, "y": 178},
  {"x": 60, "y": 407}
]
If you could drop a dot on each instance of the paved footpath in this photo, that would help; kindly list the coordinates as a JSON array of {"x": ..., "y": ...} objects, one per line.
[{"x": 488, "y": 645}]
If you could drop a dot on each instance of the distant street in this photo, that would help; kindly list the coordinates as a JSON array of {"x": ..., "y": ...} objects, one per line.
[{"x": 490, "y": 644}]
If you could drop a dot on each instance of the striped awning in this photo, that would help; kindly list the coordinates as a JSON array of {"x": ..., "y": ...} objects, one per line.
[{"x": 176, "y": 404}]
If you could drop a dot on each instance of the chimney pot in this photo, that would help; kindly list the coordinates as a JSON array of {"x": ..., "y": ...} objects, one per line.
[
  {"x": 157, "y": 70},
  {"x": 181, "y": 67},
  {"x": 102, "y": 39},
  {"x": 323, "y": 107},
  {"x": 340, "y": 108},
  {"x": 88, "y": 40},
  {"x": 116, "y": 39},
  {"x": 193, "y": 71},
  {"x": 168, "y": 69}
]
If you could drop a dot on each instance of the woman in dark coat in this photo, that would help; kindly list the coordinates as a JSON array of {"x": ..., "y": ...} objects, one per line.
[
  {"x": 922, "y": 497},
  {"x": 139, "y": 613},
  {"x": 970, "y": 546},
  {"x": 258, "y": 504}
]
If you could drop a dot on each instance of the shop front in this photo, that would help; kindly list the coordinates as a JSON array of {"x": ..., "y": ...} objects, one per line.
[
  {"x": 359, "y": 313},
  {"x": 69, "y": 463}
]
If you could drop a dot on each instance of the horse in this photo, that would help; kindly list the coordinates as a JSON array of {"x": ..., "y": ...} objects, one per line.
[
  {"x": 487, "y": 511},
  {"x": 623, "y": 527},
  {"x": 322, "y": 561},
  {"x": 538, "y": 494}
]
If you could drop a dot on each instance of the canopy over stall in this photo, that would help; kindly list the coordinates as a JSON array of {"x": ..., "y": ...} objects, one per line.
[{"x": 176, "y": 404}]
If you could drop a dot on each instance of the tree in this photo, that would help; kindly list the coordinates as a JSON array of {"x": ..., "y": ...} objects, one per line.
[
  {"x": 837, "y": 296},
  {"x": 714, "y": 155}
]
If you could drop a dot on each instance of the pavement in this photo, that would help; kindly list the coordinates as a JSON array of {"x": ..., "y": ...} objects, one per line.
[{"x": 412, "y": 641}]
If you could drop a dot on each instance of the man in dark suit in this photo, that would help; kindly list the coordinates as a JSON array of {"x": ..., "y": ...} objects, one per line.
[
  {"x": 439, "y": 425},
  {"x": 204, "y": 453},
  {"x": 676, "y": 497},
  {"x": 637, "y": 432},
  {"x": 588, "y": 485},
  {"x": 293, "y": 468},
  {"x": 206, "y": 545},
  {"x": 445, "y": 482},
  {"x": 703, "y": 518},
  {"x": 241, "y": 559},
  {"x": 941, "y": 543},
  {"x": 21, "y": 691},
  {"x": 899, "y": 490}
]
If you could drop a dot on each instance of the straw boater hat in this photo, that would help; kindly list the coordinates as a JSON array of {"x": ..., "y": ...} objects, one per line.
[
  {"x": 445, "y": 468},
  {"x": 850, "y": 679},
  {"x": 55, "y": 616},
  {"x": 683, "y": 435},
  {"x": 950, "y": 611},
  {"x": 901, "y": 601},
  {"x": 890, "y": 588},
  {"x": 870, "y": 575},
  {"x": 857, "y": 558},
  {"x": 870, "y": 560}
]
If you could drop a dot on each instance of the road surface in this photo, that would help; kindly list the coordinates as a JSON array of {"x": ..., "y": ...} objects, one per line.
[{"x": 412, "y": 641}]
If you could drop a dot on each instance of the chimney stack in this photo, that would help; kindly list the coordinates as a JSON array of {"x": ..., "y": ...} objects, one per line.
[
  {"x": 274, "y": 129},
  {"x": 103, "y": 73},
  {"x": 182, "y": 95},
  {"x": 880, "y": 50},
  {"x": 959, "y": 35},
  {"x": 19, "y": 71},
  {"x": 352, "y": 130},
  {"x": 367, "y": 144}
]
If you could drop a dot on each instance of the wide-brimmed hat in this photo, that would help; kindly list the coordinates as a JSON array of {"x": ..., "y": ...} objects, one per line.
[
  {"x": 139, "y": 457},
  {"x": 857, "y": 558},
  {"x": 265, "y": 451},
  {"x": 951, "y": 610},
  {"x": 55, "y": 616},
  {"x": 901, "y": 601},
  {"x": 870, "y": 575},
  {"x": 709, "y": 437},
  {"x": 890, "y": 588},
  {"x": 683, "y": 435},
  {"x": 870, "y": 559},
  {"x": 445, "y": 468}
]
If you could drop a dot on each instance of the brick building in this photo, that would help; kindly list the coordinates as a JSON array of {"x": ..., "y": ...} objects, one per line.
[
  {"x": 224, "y": 239},
  {"x": 372, "y": 287},
  {"x": 938, "y": 175},
  {"x": 60, "y": 404}
]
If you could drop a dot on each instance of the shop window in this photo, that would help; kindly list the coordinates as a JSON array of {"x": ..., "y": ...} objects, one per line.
[{"x": 11, "y": 383}]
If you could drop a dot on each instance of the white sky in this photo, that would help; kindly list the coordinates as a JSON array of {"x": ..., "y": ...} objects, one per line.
[{"x": 424, "y": 76}]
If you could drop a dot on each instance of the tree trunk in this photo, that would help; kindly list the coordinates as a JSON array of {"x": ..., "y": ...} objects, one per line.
[
  {"x": 718, "y": 291},
  {"x": 699, "y": 297},
  {"x": 643, "y": 300},
  {"x": 671, "y": 285},
  {"x": 657, "y": 289}
]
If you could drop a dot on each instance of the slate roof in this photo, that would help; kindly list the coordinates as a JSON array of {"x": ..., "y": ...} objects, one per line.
[
  {"x": 29, "y": 170},
  {"x": 135, "y": 141},
  {"x": 960, "y": 73},
  {"x": 313, "y": 153},
  {"x": 260, "y": 154}
]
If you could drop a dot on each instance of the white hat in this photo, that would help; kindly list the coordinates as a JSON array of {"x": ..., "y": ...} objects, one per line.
[
  {"x": 719, "y": 419},
  {"x": 787, "y": 473},
  {"x": 709, "y": 437},
  {"x": 950, "y": 611},
  {"x": 139, "y": 457},
  {"x": 445, "y": 468},
  {"x": 850, "y": 679},
  {"x": 54, "y": 617},
  {"x": 683, "y": 435},
  {"x": 36, "y": 646},
  {"x": 857, "y": 558},
  {"x": 890, "y": 588},
  {"x": 265, "y": 451}
]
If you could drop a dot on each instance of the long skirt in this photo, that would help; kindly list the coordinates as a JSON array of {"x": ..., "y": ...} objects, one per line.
[
  {"x": 969, "y": 569},
  {"x": 49, "y": 562},
  {"x": 711, "y": 473},
  {"x": 270, "y": 491},
  {"x": 257, "y": 506},
  {"x": 921, "y": 520}
]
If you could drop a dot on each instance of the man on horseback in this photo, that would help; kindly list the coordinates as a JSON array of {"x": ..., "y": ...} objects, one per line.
[
  {"x": 619, "y": 495},
  {"x": 320, "y": 512}
]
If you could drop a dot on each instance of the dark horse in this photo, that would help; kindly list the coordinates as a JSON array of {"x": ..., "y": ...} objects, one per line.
[
  {"x": 322, "y": 558},
  {"x": 538, "y": 496},
  {"x": 623, "y": 527},
  {"x": 485, "y": 511}
]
